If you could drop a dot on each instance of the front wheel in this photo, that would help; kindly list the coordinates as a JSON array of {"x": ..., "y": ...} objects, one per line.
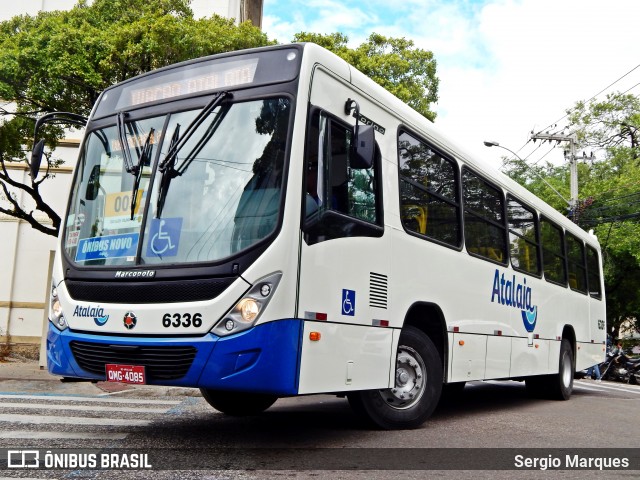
[
  {"x": 238, "y": 404},
  {"x": 418, "y": 384}
]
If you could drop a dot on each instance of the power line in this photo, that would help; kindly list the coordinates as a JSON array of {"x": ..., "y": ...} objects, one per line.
[{"x": 594, "y": 96}]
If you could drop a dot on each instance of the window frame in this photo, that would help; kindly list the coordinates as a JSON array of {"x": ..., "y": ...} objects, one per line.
[
  {"x": 503, "y": 225},
  {"x": 598, "y": 272},
  {"x": 458, "y": 193},
  {"x": 568, "y": 235},
  {"x": 543, "y": 219},
  {"x": 361, "y": 228},
  {"x": 536, "y": 222}
]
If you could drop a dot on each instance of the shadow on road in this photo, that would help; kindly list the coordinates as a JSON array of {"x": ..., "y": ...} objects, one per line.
[{"x": 326, "y": 420}]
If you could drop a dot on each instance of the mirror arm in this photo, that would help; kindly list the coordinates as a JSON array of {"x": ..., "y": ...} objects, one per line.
[
  {"x": 65, "y": 118},
  {"x": 350, "y": 105}
]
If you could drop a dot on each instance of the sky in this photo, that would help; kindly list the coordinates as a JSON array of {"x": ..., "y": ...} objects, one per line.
[{"x": 506, "y": 67}]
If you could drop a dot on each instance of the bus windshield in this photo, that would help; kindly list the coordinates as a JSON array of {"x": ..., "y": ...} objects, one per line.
[{"x": 220, "y": 189}]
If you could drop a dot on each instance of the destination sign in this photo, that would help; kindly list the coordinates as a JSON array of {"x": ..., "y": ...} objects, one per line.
[
  {"x": 199, "y": 79},
  {"x": 202, "y": 76}
]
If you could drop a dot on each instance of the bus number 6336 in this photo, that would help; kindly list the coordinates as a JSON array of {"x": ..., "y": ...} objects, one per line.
[{"x": 181, "y": 320}]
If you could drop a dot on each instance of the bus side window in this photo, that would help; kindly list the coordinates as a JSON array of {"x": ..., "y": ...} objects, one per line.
[
  {"x": 484, "y": 226},
  {"x": 429, "y": 191},
  {"x": 553, "y": 252},
  {"x": 523, "y": 237},
  {"x": 334, "y": 186},
  {"x": 593, "y": 273},
  {"x": 576, "y": 261}
]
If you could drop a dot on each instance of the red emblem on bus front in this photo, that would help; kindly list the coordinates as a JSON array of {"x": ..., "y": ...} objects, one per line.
[{"x": 130, "y": 320}]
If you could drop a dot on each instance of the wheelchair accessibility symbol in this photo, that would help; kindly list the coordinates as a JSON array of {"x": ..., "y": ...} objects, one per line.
[
  {"x": 348, "y": 302},
  {"x": 164, "y": 237}
]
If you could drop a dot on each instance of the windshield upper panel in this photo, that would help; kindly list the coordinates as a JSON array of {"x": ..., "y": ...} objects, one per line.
[{"x": 222, "y": 189}]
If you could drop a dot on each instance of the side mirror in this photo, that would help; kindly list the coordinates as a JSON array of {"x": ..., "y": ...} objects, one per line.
[
  {"x": 93, "y": 185},
  {"x": 363, "y": 147},
  {"x": 36, "y": 158},
  {"x": 64, "y": 118},
  {"x": 364, "y": 143}
]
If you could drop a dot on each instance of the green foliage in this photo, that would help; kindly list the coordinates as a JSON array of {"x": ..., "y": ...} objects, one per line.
[
  {"x": 394, "y": 63},
  {"x": 609, "y": 188},
  {"x": 60, "y": 61}
]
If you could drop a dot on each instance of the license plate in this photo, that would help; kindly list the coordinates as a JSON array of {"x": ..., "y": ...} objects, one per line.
[{"x": 126, "y": 373}]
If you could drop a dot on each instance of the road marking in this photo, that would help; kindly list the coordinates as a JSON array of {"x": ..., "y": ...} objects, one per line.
[
  {"x": 50, "y": 419},
  {"x": 47, "y": 435},
  {"x": 600, "y": 386},
  {"x": 84, "y": 408},
  {"x": 67, "y": 398}
]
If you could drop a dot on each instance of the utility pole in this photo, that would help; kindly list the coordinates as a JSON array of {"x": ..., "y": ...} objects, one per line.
[
  {"x": 573, "y": 164},
  {"x": 251, "y": 10}
]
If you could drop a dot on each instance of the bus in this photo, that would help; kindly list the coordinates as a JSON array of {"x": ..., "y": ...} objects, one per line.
[{"x": 270, "y": 223}]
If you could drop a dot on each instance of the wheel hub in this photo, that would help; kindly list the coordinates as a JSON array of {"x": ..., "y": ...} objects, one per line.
[{"x": 409, "y": 380}]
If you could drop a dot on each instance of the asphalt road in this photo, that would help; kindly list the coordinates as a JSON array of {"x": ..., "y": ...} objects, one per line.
[{"x": 317, "y": 436}]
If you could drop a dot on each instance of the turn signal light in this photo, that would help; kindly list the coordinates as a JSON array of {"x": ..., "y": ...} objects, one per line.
[{"x": 314, "y": 336}]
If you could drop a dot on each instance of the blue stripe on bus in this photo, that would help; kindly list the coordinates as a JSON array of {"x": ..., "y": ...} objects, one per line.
[{"x": 263, "y": 359}]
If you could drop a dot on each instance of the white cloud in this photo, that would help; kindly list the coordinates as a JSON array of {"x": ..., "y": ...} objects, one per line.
[{"x": 506, "y": 66}]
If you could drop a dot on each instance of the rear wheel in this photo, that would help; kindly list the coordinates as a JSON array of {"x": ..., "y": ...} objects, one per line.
[
  {"x": 238, "y": 404},
  {"x": 417, "y": 387},
  {"x": 557, "y": 386}
]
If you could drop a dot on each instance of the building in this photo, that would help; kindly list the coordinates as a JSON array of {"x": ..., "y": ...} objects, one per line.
[{"x": 27, "y": 257}]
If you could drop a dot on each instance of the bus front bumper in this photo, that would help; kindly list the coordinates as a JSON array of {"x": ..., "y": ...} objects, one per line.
[{"x": 264, "y": 359}]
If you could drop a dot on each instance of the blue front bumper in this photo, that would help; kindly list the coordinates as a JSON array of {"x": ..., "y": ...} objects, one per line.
[{"x": 264, "y": 359}]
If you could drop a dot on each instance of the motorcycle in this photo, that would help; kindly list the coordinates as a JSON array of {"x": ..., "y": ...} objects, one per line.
[{"x": 620, "y": 368}]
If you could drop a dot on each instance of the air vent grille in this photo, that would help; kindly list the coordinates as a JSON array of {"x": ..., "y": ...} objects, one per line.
[{"x": 378, "y": 285}]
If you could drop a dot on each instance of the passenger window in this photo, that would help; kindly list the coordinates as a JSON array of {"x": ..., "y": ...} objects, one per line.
[
  {"x": 484, "y": 227},
  {"x": 335, "y": 185},
  {"x": 593, "y": 273},
  {"x": 553, "y": 256},
  {"x": 428, "y": 192},
  {"x": 577, "y": 267},
  {"x": 523, "y": 237}
]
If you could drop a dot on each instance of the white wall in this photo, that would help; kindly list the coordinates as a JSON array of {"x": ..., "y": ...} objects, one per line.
[{"x": 25, "y": 255}]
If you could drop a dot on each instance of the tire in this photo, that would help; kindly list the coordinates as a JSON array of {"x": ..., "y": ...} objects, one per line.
[
  {"x": 238, "y": 404},
  {"x": 557, "y": 386},
  {"x": 417, "y": 389}
]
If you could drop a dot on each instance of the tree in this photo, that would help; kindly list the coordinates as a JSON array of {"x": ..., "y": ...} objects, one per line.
[
  {"x": 610, "y": 191},
  {"x": 60, "y": 61},
  {"x": 394, "y": 63}
]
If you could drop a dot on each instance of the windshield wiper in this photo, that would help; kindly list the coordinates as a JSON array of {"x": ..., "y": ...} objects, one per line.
[
  {"x": 167, "y": 166},
  {"x": 137, "y": 170},
  {"x": 168, "y": 172},
  {"x": 128, "y": 162}
]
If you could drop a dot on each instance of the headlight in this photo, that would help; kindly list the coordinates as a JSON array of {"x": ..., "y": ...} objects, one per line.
[
  {"x": 56, "y": 315},
  {"x": 246, "y": 312}
]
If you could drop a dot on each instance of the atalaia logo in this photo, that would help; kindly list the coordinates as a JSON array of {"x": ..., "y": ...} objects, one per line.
[
  {"x": 511, "y": 293},
  {"x": 97, "y": 313}
]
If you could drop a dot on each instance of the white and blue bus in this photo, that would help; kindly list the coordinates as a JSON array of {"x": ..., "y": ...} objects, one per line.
[{"x": 270, "y": 223}]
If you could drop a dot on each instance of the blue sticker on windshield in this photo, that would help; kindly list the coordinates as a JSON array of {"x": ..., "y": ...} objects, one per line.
[
  {"x": 164, "y": 237},
  {"x": 110, "y": 246}
]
